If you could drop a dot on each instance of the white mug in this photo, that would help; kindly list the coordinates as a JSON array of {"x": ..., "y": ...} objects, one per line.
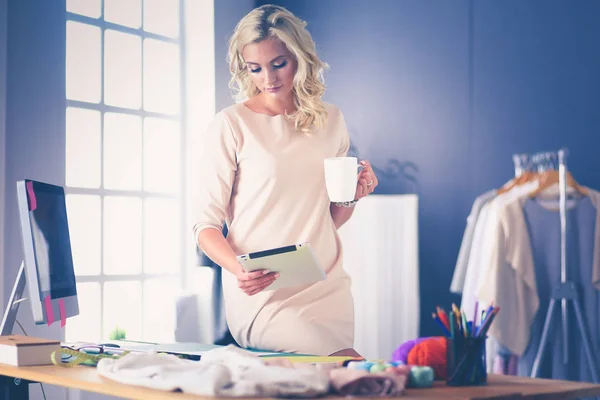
[{"x": 341, "y": 174}]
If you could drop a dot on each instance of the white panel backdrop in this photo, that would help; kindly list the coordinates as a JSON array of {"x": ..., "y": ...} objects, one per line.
[{"x": 381, "y": 254}]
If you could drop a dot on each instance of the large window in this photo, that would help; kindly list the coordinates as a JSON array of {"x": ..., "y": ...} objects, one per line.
[{"x": 124, "y": 163}]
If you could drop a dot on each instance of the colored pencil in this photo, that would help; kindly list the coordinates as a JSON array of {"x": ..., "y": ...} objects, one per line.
[
  {"x": 441, "y": 324},
  {"x": 488, "y": 322},
  {"x": 443, "y": 317},
  {"x": 464, "y": 324}
]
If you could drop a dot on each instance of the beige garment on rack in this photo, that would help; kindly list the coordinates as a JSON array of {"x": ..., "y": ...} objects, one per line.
[{"x": 265, "y": 179}]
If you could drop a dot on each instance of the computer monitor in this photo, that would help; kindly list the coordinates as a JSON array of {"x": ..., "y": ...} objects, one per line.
[{"x": 47, "y": 265}]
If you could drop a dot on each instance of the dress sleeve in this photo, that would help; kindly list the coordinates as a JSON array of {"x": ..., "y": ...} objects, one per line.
[
  {"x": 344, "y": 137},
  {"x": 212, "y": 169}
]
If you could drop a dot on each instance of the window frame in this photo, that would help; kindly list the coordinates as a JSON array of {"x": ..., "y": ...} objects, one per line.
[{"x": 102, "y": 193}]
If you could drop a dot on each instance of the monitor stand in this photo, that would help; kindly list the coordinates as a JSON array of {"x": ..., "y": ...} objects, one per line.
[{"x": 10, "y": 315}]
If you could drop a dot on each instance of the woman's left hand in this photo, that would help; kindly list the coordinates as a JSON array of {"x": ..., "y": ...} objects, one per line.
[{"x": 367, "y": 181}]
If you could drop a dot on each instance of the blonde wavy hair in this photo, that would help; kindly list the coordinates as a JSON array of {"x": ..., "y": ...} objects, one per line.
[{"x": 270, "y": 21}]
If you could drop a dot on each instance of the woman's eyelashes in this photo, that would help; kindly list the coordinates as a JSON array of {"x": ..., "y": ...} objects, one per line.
[
  {"x": 276, "y": 66},
  {"x": 283, "y": 64}
]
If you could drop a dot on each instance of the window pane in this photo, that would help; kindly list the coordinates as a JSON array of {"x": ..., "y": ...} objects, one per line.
[
  {"x": 85, "y": 327},
  {"x": 161, "y": 236},
  {"x": 162, "y": 17},
  {"x": 82, "y": 164},
  {"x": 122, "y": 152},
  {"x": 161, "y": 76},
  {"x": 89, "y": 8},
  {"x": 161, "y": 155},
  {"x": 83, "y": 62},
  {"x": 124, "y": 12},
  {"x": 84, "y": 229},
  {"x": 123, "y": 309},
  {"x": 122, "y": 69},
  {"x": 159, "y": 310},
  {"x": 122, "y": 235}
]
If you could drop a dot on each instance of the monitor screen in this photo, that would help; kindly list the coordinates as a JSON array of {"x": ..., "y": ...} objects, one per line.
[{"x": 51, "y": 241}]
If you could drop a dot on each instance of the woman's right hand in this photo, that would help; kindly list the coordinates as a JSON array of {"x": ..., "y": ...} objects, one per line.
[{"x": 255, "y": 281}]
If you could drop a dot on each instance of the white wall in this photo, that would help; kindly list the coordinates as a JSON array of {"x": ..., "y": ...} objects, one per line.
[
  {"x": 209, "y": 24},
  {"x": 209, "y": 92},
  {"x": 200, "y": 109},
  {"x": 3, "y": 33}
]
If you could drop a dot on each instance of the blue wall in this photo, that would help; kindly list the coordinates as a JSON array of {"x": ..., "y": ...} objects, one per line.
[
  {"x": 35, "y": 126},
  {"x": 227, "y": 15},
  {"x": 536, "y": 85},
  {"x": 457, "y": 87},
  {"x": 35, "y": 108}
]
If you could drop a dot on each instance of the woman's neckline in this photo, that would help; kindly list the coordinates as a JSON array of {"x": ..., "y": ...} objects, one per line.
[{"x": 259, "y": 113}]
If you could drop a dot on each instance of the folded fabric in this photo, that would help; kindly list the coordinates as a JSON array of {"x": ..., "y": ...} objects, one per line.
[
  {"x": 351, "y": 382},
  {"x": 228, "y": 371}
]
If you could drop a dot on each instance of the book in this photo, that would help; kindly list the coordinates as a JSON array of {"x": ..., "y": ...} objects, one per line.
[{"x": 22, "y": 351}]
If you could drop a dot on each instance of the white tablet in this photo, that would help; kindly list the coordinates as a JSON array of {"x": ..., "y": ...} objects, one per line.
[{"x": 296, "y": 264}]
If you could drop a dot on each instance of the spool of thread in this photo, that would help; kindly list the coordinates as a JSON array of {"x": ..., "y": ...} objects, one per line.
[
  {"x": 377, "y": 368},
  {"x": 359, "y": 366},
  {"x": 421, "y": 377}
]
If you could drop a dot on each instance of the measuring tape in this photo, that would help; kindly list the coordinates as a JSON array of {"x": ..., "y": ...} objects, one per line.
[{"x": 80, "y": 358}]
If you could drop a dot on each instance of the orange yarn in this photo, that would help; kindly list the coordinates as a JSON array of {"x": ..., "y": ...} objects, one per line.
[{"x": 431, "y": 353}]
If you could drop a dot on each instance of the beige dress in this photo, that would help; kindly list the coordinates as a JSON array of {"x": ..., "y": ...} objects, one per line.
[{"x": 265, "y": 179}]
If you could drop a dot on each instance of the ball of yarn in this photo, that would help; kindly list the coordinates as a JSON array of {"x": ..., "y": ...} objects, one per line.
[
  {"x": 432, "y": 353},
  {"x": 401, "y": 353}
]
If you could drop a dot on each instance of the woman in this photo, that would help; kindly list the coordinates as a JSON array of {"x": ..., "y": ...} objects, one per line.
[{"x": 261, "y": 172}]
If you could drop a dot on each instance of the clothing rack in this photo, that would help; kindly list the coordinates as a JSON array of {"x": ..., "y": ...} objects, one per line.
[
  {"x": 538, "y": 162},
  {"x": 566, "y": 290}
]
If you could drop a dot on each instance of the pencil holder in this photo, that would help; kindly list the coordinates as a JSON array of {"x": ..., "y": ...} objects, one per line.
[{"x": 465, "y": 361}]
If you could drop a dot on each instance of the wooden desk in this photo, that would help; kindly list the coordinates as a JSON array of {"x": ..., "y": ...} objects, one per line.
[{"x": 499, "y": 387}]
